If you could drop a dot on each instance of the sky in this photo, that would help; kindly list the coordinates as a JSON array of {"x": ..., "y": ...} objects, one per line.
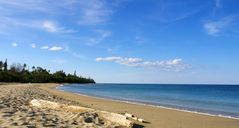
[{"x": 125, "y": 41}]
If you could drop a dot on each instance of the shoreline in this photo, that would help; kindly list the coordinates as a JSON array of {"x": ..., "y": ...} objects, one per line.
[
  {"x": 157, "y": 116},
  {"x": 156, "y": 106},
  {"x": 151, "y": 105}
]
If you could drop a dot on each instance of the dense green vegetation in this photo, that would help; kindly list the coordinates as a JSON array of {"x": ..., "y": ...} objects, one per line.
[{"x": 19, "y": 73}]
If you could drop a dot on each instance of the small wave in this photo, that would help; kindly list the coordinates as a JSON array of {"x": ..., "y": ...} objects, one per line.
[{"x": 163, "y": 107}]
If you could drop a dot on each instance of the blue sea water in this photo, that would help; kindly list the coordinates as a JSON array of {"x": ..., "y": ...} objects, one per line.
[{"x": 212, "y": 99}]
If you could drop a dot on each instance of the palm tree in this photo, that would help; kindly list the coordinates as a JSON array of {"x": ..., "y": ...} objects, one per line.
[
  {"x": 33, "y": 68},
  {"x": 24, "y": 66},
  {"x": 5, "y": 65}
]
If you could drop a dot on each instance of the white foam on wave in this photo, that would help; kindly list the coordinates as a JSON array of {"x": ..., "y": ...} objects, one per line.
[{"x": 59, "y": 86}]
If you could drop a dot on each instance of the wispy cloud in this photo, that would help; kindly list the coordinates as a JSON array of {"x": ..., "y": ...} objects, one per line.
[
  {"x": 45, "y": 25},
  {"x": 89, "y": 12},
  {"x": 101, "y": 35},
  {"x": 14, "y": 44},
  {"x": 52, "y": 26},
  {"x": 16, "y": 14},
  {"x": 217, "y": 26},
  {"x": 47, "y": 16},
  {"x": 10, "y": 5},
  {"x": 168, "y": 11},
  {"x": 37, "y": 5},
  {"x": 174, "y": 65},
  {"x": 95, "y": 12}
]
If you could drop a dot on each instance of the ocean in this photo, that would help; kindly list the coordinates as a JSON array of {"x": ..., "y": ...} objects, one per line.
[{"x": 218, "y": 100}]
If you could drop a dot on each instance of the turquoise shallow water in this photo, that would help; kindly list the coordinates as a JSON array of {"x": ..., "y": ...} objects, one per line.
[{"x": 212, "y": 99}]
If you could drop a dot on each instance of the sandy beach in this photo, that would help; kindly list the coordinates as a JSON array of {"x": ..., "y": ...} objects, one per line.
[{"x": 15, "y": 111}]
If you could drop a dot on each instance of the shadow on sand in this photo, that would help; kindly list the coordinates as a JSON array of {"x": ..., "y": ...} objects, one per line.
[{"x": 138, "y": 126}]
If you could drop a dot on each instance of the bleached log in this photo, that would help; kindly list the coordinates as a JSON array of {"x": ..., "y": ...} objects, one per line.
[
  {"x": 117, "y": 118},
  {"x": 129, "y": 115},
  {"x": 109, "y": 116}
]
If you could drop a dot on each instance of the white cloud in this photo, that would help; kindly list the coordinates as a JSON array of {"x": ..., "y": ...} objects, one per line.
[
  {"x": 45, "y": 47},
  {"x": 215, "y": 27},
  {"x": 166, "y": 64},
  {"x": 14, "y": 44},
  {"x": 175, "y": 64},
  {"x": 120, "y": 60},
  {"x": 55, "y": 48},
  {"x": 33, "y": 45},
  {"x": 108, "y": 59}
]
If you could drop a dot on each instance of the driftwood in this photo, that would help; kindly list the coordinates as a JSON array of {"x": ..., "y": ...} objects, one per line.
[
  {"x": 128, "y": 115},
  {"x": 109, "y": 116},
  {"x": 117, "y": 118}
]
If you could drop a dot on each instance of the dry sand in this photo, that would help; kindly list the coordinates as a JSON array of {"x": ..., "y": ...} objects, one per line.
[{"x": 16, "y": 112}]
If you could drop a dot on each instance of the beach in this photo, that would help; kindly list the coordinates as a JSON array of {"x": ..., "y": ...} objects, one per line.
[{"x": 15, "y": 110}]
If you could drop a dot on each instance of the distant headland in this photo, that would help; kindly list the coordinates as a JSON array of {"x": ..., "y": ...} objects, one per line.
[{"x": 18, "y": 72}]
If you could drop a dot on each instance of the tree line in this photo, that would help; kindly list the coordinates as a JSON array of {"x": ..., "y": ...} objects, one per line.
[{"x": 18, "y": 72}]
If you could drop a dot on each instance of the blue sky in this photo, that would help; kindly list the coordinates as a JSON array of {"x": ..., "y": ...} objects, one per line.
[{"x": 129, "y": 41}]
